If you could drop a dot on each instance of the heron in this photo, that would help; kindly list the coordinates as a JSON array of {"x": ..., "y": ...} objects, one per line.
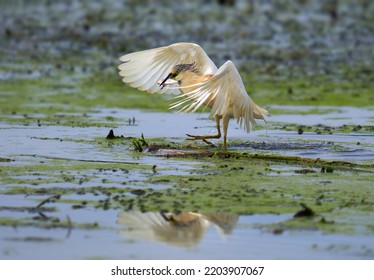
[{"x": 186, "y": 70}]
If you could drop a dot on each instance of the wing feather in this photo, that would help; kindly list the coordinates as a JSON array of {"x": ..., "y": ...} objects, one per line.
[
  {"x": 144, "y": 69},
  {"x": 230, "y": 97}
]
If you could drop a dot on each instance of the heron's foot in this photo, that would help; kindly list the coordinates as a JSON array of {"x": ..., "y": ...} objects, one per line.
[{"x": 204, "y": 138}]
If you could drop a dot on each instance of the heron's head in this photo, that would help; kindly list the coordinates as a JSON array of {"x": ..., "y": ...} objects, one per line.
[{"x": 177, "y": 70}]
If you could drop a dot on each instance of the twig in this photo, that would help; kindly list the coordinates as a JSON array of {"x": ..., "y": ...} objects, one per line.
[
  {"x": 70, "y": 226},
  {"x": 56, "y": 196}
]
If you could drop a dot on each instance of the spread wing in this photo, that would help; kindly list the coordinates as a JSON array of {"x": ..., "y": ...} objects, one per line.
[
  {"x": 144, "y": 69},
  {"x": 226, "y": 91},
  {"x": 153, "y": 226}
]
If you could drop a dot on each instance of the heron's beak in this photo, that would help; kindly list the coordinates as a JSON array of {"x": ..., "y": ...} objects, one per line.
[{"x": 167, "y": 78}]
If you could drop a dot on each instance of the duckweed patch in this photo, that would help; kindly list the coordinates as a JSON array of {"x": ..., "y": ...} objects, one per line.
[
  {"x": 323, "y": 129},
  {"x": 316, "y": 91},
  {"x": 228, "y": 181}
]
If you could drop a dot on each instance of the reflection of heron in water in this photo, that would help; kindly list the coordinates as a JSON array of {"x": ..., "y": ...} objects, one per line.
[{"x": 185, "y": 229}]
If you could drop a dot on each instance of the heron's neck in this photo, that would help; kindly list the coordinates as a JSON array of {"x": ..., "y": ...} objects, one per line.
[{"x": 189, "y": 81}]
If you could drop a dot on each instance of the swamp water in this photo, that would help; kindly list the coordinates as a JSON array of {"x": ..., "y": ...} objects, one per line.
[{"x": 70, "y": 193}]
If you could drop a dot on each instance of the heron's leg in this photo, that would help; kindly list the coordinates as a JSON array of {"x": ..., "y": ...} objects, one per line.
[
  {"x": 225, "y": 125},
  {"x": 205, "y": 137}
]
